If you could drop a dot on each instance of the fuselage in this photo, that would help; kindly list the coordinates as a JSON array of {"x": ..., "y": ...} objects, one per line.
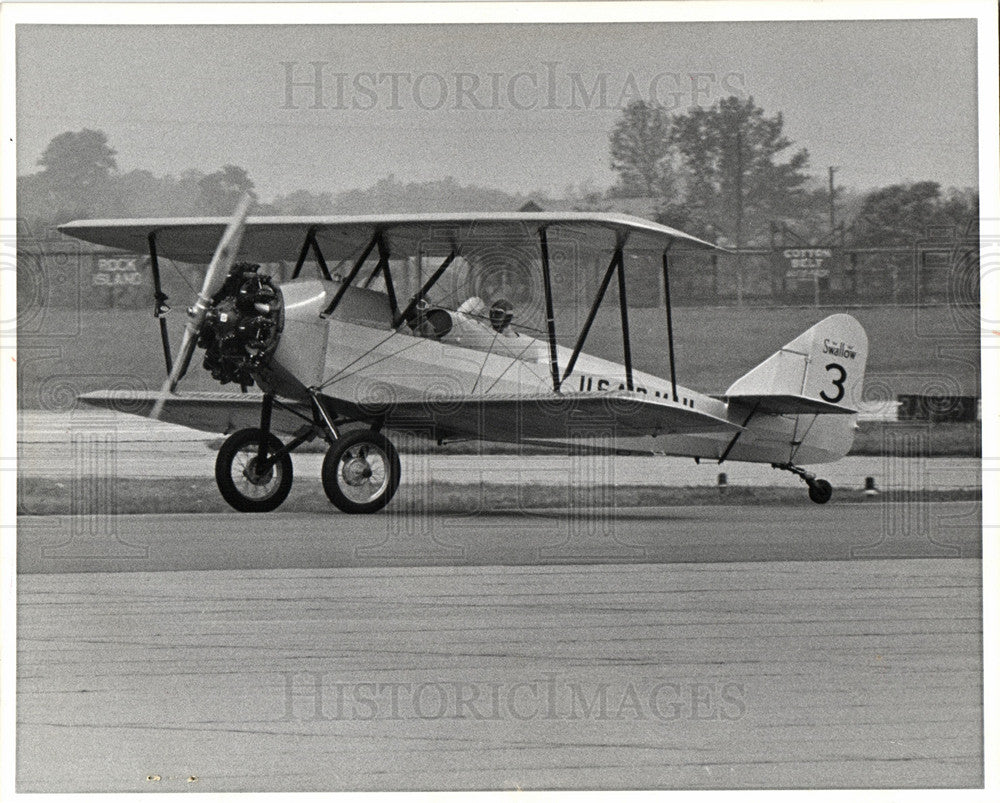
[{"x": 355, "y": 355}]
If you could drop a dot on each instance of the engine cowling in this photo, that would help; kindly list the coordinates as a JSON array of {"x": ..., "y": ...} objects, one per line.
[{"x": 243, "y": 325}]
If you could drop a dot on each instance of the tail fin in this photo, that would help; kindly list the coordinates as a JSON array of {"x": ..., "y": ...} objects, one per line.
[{"x": 820, "y": 371}]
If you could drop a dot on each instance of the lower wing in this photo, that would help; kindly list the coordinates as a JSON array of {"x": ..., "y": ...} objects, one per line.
[
  {"x": 209, "y": 411},
  {"x": 493, "y": 418}
]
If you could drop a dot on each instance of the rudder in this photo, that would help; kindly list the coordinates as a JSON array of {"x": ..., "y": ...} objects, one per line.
[
  {"x": 820, "y": 371},
  {"x": 799, "y": 404}
]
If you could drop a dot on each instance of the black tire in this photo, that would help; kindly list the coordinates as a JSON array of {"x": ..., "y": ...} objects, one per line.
[
  {"x": 237, "y": 455},
  {"x": 820, "y": 491},
  {"x": 349, "y": 484}
]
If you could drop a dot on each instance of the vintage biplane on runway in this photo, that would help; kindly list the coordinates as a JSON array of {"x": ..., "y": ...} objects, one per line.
[{"x": 449, "y": 325}]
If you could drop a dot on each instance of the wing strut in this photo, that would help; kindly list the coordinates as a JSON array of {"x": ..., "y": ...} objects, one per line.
[
  {"x": 319, "y": 255},
  {"x": 550, "y": 316},
  {"x": 378, "y": 265},
  {"x": 350, "y": 277},
  {"x": 736, "y": 437},
  {"x": 383, "y": 268},
  {"x": 614, "y": 265},
  {"x": 412, "y": 305},
  {"x": 160, "y": 308},
  {"x": 311, "y": 244},
  {"x": 626, "y": 342},
  {"x": 670, "y": 322},
  {"x": 303, "y": 253},
  {"x": 390, "y": 289}
]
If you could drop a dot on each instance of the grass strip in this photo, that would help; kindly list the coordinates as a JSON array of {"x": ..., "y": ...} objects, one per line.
[{"x": 104, "y": 496}]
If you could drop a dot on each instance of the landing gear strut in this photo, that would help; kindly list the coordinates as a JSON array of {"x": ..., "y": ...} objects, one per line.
[
  {"x": 820, "y": 491},
  {"x": 254, "y": 468}
]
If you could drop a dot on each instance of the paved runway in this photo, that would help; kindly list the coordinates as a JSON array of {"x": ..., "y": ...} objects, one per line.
[
  {"x": 90, "y": 442},
  {"x": 704, "y": 648},
  {"x": 182, "y": 542}
]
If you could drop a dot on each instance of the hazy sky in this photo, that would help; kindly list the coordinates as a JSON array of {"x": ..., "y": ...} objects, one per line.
[{"x": 518, "y": 107}]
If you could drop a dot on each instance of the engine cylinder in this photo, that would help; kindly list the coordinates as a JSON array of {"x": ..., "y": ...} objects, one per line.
[{"x": 243, "y": 325}]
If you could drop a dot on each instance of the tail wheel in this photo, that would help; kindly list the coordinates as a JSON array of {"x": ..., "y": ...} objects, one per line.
[
  {"x": 361, "y": 472},
  {"x": 820, "y": 491},
  {"x": 240, "y": 484}
]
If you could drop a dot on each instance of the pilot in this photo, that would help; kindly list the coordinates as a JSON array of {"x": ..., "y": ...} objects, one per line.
[
  {"x": 432, "y": 322},
  {"x": 501, "y": 314},
  {"x": 468, "y": 321}
]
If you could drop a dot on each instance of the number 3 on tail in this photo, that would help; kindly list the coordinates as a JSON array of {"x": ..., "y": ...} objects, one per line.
[{"x": 838, "y": 383}]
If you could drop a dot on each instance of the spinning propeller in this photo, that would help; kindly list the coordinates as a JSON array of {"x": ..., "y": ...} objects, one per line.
[{"x": 222, "y": 261}]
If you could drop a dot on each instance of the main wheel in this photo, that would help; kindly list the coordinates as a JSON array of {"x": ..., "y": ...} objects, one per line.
[
  {"x": 361, "y": 472},
  {"x": 240, "y": 484},
  {"x": 820, "y": 491}
]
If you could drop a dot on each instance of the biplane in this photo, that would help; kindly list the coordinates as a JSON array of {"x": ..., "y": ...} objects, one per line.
[{"x": 454, "y": 326}]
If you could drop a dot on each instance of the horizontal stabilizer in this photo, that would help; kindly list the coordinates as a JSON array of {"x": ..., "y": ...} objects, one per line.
[{"x": 780, "y": 404}]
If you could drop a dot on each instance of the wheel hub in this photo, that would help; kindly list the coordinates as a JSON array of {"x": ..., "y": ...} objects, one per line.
[
  {"x": 357, "y": 471},
  {"x": 253, "y": 477}
]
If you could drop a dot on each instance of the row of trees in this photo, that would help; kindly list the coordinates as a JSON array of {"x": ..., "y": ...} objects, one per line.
[
  {"x": 716, "y": 171},
  {"x": 79, "y": 178},
  {"x": 730, "y": 173}
]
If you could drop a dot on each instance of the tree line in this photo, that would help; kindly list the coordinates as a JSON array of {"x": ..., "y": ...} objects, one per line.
[
  {"x": 728, "y": 173},
  {"x": 80, "y": 178}
]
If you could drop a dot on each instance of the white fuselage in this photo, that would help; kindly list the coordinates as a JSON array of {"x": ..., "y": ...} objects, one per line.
[{"x": 357, "y": 357}]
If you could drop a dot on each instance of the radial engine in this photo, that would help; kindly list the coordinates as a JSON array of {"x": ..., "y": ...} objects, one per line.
[{"x": 243, "y": 326}]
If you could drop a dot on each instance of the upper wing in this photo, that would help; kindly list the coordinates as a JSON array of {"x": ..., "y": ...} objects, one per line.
[{"x": 273, "y": 239}]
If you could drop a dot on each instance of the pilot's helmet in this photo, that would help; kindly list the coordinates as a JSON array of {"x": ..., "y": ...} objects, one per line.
[{"x": 501, "y": 314}]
